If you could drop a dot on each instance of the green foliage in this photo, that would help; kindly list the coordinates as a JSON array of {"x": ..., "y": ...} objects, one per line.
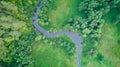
[
  {"x": 93, "y": 16},
  {"x": 3, "y": 50},
  {"x": 99, "y": 57},
  {"x": 62, "y": 42},
  {"x": 67, "y": 45},
  {"x": 22, "y": 53},
  {"x": 15, "y": 36},
  {"x": 91, "y": 19},
  {"x": 88, "y": 27},
  {"x": 91, "y": 23}
]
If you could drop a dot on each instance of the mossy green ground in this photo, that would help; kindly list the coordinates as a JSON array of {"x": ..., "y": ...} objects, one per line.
[{"x": 49, "y": 56}]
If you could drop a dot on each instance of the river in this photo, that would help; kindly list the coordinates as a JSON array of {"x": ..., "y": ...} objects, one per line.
[{"x": 72, "y": 35}]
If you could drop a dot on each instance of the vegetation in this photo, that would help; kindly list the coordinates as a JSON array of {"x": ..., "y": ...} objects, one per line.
[
  {"x": 45, "y": 53},
  {"x": 110, "y": 39},
  {"x": 95, "y": 16},
  {"x": 97, "y": 21},
  {"x": 17, "y": 35},
  {"x": 54, "y": 16},
  {"x": 14, "y": 36}
]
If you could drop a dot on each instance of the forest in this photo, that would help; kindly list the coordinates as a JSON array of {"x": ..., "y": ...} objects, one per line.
[{"x": 97, "y": 21}]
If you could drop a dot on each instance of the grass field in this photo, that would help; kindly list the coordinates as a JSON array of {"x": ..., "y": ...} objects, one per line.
[
  {"x": 49, "y": 56},
  {"x": 110, "y": 44},
  {"x": 64, "y": 10}
]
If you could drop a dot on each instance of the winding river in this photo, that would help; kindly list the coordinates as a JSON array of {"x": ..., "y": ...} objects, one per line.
[{"x": 72, "y": 35}]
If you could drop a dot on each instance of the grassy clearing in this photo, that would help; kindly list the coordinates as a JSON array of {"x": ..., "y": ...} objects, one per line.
[
  {"x": 48, "y": 56},
  {"x": 63, "y": 11},
  {"x": 110, "y": 44}
]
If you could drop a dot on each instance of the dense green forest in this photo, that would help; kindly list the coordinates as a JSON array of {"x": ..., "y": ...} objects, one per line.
[{"x": 97, "y": 21}]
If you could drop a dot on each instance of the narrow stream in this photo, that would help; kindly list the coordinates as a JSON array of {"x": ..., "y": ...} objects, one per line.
[{"x": 72, "y": 35}]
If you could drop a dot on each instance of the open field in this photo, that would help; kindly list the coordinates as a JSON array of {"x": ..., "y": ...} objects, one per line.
[
  {"x": 49, "y": 56},
  {"x": 110, "y": 44}
]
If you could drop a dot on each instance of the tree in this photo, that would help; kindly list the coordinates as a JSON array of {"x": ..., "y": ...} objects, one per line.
[{"x": 99, "y": 57}]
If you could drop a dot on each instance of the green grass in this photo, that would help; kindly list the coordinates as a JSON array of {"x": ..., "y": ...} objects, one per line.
[
  {"x": 94, "y": 63},
  {"x": 64, "y": 10},
  {"x": 48, "y": 56},
  {"x": 110, "y": 45}
]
